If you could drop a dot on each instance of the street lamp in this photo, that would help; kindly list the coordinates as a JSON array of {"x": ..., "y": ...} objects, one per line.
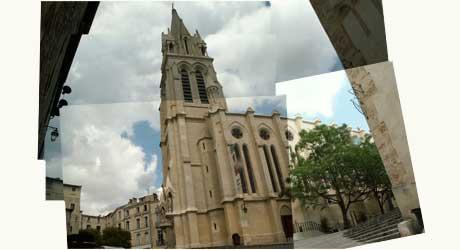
[{"x": 54, "y": 133}]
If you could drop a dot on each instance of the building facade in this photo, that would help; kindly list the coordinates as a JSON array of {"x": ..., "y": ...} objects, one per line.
[
  {"x": 138, "y": 216},
  {"x": 224, "y": 173}
]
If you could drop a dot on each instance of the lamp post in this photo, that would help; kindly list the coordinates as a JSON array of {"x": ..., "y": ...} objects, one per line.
[{"x": 54, "y": 133}]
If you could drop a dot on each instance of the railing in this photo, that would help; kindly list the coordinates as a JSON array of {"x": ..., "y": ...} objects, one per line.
[{"x": 307, "y": 226}]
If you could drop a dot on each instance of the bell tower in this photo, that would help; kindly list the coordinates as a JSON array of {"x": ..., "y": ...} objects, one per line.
[
  {"x": 189, "y": 82},
  {"x": 190, "y": 91}
]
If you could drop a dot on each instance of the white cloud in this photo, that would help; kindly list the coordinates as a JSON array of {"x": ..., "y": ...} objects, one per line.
[
  {"x": 253, "y": 46},
  {"x": 312, "y": 96},
  {"x": 110, "y": 168}
]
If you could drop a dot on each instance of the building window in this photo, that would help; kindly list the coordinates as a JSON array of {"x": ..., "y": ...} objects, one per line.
[
  {"x": 138, "y": 209},
  {"x": 239, "y": 167},
  {"x": 146, "y": 219},
  {"x": 210, "y": 193},
  {"x": 289, "y": 135},
  {"x": 215, "y": 226},
  {"x": 145, "y": 207},
  {"x": 207, "y": 169},
  {"x": 277, "y": 167},
  {"x": 264, "y": 134},
  {"x": 249, "y": 168},
  {"x": 127, "y": 213},
  {"x": 201, "y": 87},
  {"x": 74, "y": 189},
  {"x": 98, "y": 228},
  {"x": 127, "y": 225},
  {"x": 237, "y": 133},
  {"x": 269, "y": 166},
  {"x": 138, "y": 223},
  {"x": 88, "y": 226},
  {"x": 71, "y": 229},
  {"x": 119, "y": 225},
  {"x": 138, "y": 238},
  {"x": 186, "y": 45},
  {"x": 186, "y": 86}
]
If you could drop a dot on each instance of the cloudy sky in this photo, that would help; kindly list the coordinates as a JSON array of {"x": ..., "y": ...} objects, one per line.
[{"x": 109, "y": 134}]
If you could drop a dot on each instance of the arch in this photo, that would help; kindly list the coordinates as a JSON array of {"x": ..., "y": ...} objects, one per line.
[
  {"x": 236, "y": 239},
  {"x": 286, "y": 221},
  {"x": 285, "y": 210},
  {"x": 184, "y": 65},
  {"x": 199, "y": 66}
]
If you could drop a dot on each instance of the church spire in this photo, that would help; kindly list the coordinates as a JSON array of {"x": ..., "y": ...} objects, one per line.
[{"x": 178, "y": 28}]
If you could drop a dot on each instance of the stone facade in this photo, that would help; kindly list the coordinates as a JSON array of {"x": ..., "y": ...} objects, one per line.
[
  {"x": 375, "y": 87},
  {"x": 224, "y": 173},
  {"x": 62, "y": 25},
  {"x": 137, "y": 216},
  {"x": 355, "y": 28}
]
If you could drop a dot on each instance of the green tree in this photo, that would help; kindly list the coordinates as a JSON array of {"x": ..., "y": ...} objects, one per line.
[
  {"x": 91, "y": 235},
  {"x": 376, "y": 177},
  {"x": 325, "y": 170},
  {"x": 117, "y": 237}
]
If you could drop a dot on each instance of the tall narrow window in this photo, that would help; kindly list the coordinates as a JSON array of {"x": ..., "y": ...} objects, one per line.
[
  {"x": 138, "y": 223},
  {"x": 186, "y": 45},
  {"x": 201, "y": 87},
  {"x": 239, "y": 167},
  {"x": 249, "y": 168},
  {"x": 186, "y": 86},
  {"x": 146, "y": 220},
  {"x": 277, "y": 167},
  {"x": 270, "y": 171}
]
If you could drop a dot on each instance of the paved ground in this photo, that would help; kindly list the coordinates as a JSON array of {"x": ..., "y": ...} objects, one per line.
[{"x": 334, "y": 240}]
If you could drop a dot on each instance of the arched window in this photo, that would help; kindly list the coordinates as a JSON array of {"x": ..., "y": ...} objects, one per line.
[
  {"x": 240, "y": 169},
  {"x": 201, "y": 87},
  {"x": 249, "y": 168},
  {"x": 277, "y": 166},
  {"x": 270, "y": 170},
  {"x": 289, "y": 135},
  {"x": 186, "y": 45},
  {"x": 186, "y": 86}
]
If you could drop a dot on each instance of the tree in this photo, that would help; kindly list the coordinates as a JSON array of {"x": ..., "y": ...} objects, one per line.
[
  {"x": 86, "y": 238},
  {"x": 117, "y": 237},
  {"x": 374, "y": 171},
  {"x": 325, "y": 170}
]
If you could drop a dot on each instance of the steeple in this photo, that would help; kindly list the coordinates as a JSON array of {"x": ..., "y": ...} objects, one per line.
[
  {"x": 188, "y": 76},
  {"x": 178, "y": 28},
  {"x": 180, "y": 41}
]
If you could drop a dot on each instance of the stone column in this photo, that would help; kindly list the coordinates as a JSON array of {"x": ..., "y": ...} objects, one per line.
[{"x": 375, "y": 87}]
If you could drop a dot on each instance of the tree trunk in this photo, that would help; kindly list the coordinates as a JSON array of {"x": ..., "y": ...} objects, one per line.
[
  {"x": 380, "y": 201},
  {"x": 346, "y": 221}
]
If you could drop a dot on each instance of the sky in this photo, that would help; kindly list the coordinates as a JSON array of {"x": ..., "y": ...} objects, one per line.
[{"x": 272, "y": 56}]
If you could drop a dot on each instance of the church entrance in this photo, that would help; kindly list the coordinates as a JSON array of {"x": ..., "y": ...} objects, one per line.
[
  {"x": 286, "y": 221},
  {"x": 236, "y": 239}
]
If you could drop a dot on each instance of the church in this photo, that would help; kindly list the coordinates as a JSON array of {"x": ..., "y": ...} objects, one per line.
[{"x": 224, "y": 174}]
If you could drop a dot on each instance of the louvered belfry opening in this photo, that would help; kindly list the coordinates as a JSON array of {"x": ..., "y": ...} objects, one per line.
[
  {"x": 201, "y": 87},
  {"x": 186, "y": 86}
]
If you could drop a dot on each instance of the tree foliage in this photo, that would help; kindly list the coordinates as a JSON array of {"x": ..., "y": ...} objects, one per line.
[
  {"x": 330, "y": 167},
  {"x": 117, "y": 237}
]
